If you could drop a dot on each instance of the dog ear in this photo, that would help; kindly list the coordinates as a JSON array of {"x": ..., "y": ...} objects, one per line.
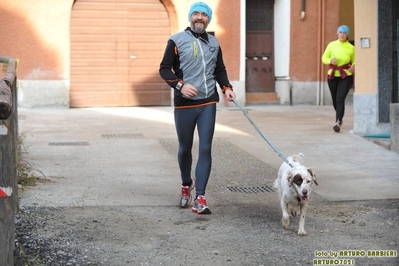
[{"x": 313, "y": 176}]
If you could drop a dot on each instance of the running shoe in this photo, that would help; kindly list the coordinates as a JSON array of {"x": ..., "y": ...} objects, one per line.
[
  {"x": 337, "y": 126},
  {"x": 185, "y": 196},
  {"x": 200, "y": 206}
]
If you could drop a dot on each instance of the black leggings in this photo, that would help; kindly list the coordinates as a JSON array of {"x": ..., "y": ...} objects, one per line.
[
  {"x": 187, "y": 119},
  {"x": 339, "y": 89}
]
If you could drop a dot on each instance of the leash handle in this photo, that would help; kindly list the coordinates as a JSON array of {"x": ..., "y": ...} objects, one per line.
[{"x": 262, "y": 135}]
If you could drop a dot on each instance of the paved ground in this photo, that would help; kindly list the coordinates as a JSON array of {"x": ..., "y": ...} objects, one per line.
[
  {"x": 95, "y": 152},
  {"x": 117, "y": 166}
]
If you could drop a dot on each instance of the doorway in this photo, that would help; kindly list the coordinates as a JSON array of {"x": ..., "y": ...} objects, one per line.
[{"x": 260, "y": 79}]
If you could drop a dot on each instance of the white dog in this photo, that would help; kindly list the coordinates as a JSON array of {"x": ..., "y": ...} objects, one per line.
[{"x": 294, "y": 185}]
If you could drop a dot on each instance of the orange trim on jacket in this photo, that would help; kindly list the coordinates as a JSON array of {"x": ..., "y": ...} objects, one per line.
[{"x": 196, "y": 105}]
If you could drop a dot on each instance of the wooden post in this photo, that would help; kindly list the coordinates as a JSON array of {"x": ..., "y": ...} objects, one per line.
[{"x": 8, "y": 168}]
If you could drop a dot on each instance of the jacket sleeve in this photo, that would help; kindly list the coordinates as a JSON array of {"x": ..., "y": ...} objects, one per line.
[
  {"x": 169, "y": 61},
  {"x": 220, "y": 71}
]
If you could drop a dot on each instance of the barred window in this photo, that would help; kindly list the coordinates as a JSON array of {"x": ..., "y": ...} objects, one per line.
[{"x": 259, "y": 15}]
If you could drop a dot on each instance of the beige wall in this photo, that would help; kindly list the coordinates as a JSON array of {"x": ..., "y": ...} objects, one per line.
[
  {"x": 37, "y": 33},
  {"x": 366, "y": 59}
]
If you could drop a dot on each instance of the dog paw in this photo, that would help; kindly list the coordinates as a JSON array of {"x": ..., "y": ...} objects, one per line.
[
  {"x": 302, "y": 233},
  {"x": 286, "y": 223}
]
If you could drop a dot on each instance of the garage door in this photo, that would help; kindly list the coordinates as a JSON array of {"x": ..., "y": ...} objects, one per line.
[{"x": 116, "y": 48}]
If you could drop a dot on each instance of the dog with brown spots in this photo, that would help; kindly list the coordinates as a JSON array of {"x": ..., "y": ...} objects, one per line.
[{"x": 294, "y": 185}]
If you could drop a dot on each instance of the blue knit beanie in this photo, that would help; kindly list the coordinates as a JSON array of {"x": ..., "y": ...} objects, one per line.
[
  {"x": 343, "y": 28},
  {"x": 200, "y": 6}
]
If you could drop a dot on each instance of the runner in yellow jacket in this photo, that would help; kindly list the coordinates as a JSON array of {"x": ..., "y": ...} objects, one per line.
[{"x": 340, "y": 56}]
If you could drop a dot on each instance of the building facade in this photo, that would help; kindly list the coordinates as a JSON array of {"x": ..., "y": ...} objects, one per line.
[{"x": 85, "y": 53}]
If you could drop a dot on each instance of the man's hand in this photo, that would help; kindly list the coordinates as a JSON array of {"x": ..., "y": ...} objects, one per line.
[
  {"x": 188, "y": 90},
  {"x": 230, "y": 94}
]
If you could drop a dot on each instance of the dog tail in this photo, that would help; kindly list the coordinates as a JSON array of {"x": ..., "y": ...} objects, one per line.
[{"x": 298, "y": 157}]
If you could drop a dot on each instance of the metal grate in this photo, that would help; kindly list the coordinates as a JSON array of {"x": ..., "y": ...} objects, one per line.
[
  {"x": 251, "y": 190},
  {"x": 127, "y": 135},
  {"x": 68, "y": 144},
  {"x": 259, "y": 15}
]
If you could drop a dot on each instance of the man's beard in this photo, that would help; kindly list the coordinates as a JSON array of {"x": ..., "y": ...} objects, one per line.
[{"x": 198, "y": 29}]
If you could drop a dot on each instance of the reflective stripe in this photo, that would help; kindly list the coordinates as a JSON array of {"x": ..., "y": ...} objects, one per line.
[
  {"x": 203, "y": 73},
  {"x": 195, "y": 49}
]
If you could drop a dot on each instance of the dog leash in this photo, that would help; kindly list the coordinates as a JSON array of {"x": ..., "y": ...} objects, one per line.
[{"x": 262, "y": 135}]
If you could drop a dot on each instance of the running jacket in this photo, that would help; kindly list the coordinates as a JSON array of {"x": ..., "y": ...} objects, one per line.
[
  {"x": 195, "y": 59},
  {"x": 343, "y": 51}
]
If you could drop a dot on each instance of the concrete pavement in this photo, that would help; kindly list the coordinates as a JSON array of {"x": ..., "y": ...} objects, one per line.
[{"x": 127, "y": 156}]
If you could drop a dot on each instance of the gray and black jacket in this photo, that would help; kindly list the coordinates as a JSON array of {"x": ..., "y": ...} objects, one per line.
[{"x": 195, "y": 59}]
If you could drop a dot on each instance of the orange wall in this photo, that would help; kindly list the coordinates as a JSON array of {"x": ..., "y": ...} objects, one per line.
[
  {"x": 229, "y": 36},
  {"x": 226, "y": 26},
  {"x": 306, "y": 49},
  {"x": 37, "y": 33}
]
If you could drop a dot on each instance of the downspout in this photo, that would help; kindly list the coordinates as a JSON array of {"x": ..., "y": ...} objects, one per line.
[
  {"x": 320, "y": 48},
  {"x": 303, "y": 9},
  {"x": 318, "y": 76},
  {"x": 323, "y": 34}
]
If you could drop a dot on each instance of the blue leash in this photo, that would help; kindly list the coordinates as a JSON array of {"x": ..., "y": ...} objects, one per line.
[{"x": 263, "y": 136}]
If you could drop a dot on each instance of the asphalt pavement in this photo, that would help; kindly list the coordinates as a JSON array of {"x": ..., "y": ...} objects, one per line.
[{"x": 127, "y": 156}]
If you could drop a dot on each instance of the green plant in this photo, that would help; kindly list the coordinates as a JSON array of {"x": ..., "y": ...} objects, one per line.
[
  {"x": 5, "y": 64},
  {"x": 23, "y": 259}
]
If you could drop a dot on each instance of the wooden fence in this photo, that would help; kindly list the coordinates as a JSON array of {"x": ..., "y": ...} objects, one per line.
[{"x": 8, "y": 159}]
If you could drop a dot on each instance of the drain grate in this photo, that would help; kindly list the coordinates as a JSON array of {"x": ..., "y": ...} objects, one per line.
[
  {"x": 68, "y": 144},
  {"x": 251, "y": 190},
  {"x": 126, "y": 135}
]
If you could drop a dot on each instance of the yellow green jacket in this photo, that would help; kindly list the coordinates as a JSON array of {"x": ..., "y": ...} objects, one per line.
[{"x": 343, "y": 51}]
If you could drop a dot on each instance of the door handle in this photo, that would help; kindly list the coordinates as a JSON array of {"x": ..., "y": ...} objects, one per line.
[{"x": 133, "y": 57}]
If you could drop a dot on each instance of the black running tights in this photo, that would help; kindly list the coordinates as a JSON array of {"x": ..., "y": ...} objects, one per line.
[{"x": 339, "y": 89}]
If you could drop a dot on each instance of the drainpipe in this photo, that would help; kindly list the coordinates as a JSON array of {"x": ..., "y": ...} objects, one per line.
[
  {"x": 318, "y": 76},
  {"x": 323, "y": 44},
  {"x": 320, "y": 48},
  {"x": 291, "y": 92},
  {"x": 303, "y": 9}
]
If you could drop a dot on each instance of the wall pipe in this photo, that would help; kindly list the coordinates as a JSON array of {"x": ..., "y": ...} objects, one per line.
[
  {"x": 318, "y": 63},
  {"x": 303, "y": 9},
  {"x": 320, "y": 48},
  {"x": 323, "y": 45}
]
